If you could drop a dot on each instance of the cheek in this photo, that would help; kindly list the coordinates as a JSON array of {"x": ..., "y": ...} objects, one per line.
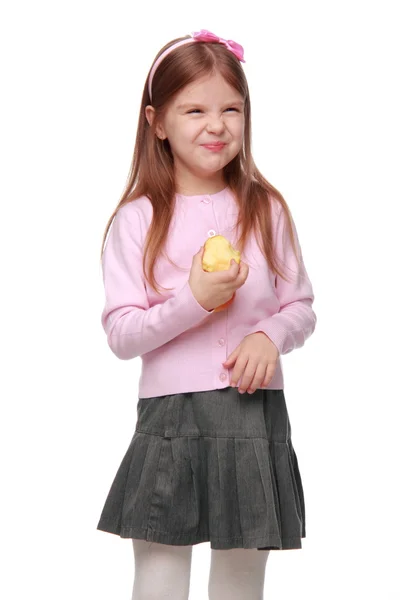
[
  {"x": 239, "y": 130},
  {"x": 236, "y": 130},
  {"x": 179, "y": 143},
  {"x": 194, "y": 131},
  {"x": 188, "y": 135}
]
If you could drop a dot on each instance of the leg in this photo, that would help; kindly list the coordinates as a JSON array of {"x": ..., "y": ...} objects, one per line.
[
  {"x": 237, "y": 574},
  {"x": 162, "y": 571}
]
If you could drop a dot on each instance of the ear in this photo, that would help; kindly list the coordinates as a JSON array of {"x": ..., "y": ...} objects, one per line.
[{"x": 150, "y": 116}]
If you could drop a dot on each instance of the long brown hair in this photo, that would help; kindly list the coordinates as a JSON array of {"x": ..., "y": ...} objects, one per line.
[{"x": 152, "y": 167}]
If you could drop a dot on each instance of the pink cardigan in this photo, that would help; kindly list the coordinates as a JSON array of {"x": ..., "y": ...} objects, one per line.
[{"x": 182, "y": 346}]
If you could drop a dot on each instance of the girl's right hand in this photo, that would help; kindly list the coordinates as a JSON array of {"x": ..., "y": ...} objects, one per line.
[{"x": 215, "y": 288}]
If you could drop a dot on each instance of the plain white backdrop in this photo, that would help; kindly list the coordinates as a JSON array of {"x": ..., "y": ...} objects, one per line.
[{"x": 324, "y": 83}]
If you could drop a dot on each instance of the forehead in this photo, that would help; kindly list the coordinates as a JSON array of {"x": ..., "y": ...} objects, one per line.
[{"x": 205, "y": 88}]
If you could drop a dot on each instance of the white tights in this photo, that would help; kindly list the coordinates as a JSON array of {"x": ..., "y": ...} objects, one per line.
[{"x": 162, "y": 572}]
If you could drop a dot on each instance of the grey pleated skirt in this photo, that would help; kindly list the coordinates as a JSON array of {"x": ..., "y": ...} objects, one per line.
[{"x": 214, "y": 466}]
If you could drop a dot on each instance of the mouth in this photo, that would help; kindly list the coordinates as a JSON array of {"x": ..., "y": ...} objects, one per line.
[{"x": 214, "y": 146}]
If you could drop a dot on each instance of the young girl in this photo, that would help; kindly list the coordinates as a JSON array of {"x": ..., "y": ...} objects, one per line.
[{"x": 211, "y": 458}]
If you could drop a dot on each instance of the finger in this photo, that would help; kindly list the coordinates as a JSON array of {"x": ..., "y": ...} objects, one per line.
[
  {"x": 240, "y": 366},
  {"x": 232, "y": 357},
  {"x": 226, "y": 275},
  {"x": 243, "y": 271},
  {"x": 248, "y": 375},
  {"x": 198, "y": 257},
  {"x": 234, "y": 266},
  {"x": 258, "y": 378},
  {"x": 269, "y": 375}
]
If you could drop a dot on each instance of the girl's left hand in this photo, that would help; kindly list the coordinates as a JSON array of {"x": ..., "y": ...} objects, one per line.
[{"x": 255, "y": 361}]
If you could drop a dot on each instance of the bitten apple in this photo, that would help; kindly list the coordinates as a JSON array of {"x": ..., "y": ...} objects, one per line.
[{"x": 217, "y": 256}]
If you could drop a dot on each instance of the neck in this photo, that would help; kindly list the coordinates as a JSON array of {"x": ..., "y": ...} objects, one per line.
[{"x": 194, "y": 186}]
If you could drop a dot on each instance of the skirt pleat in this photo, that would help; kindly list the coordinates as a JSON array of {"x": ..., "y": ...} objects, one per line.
[{"x": 212, "y": 466}]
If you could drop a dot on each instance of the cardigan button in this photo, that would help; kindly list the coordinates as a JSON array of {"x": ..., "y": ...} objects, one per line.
[{"x": 222, "y": 376}]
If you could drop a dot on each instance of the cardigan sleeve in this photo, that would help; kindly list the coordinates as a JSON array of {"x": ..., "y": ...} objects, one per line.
[
  {"x": 295, "y": 321},
  {"x": 132, "y": 326}
]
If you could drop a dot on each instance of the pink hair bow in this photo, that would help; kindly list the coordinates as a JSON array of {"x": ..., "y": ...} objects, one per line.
[
  {"x": 206, "y": 36},
  {"x": 200, "y": 36}
]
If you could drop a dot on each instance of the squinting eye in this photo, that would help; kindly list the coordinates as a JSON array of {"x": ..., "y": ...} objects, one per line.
[{"x": 194, "y": 110}]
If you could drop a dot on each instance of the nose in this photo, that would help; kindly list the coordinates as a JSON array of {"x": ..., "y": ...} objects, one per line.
[{"x": 215, "y": 124}]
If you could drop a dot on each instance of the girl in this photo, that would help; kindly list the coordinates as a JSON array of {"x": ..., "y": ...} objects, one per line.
[{"x": 211, "y": 458}]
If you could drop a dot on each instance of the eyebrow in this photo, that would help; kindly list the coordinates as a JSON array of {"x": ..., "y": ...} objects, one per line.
[{"x": 192, "y": 104}]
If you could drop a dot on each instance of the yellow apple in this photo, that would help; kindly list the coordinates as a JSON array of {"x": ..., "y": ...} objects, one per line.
[{"x": 217, "y": 256}]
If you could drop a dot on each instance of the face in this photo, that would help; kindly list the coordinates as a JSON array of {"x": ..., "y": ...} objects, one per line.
[{"x": 205, "y": 113}]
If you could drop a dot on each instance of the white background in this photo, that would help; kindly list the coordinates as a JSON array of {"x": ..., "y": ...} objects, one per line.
[{"x": 324, "y": 82}]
